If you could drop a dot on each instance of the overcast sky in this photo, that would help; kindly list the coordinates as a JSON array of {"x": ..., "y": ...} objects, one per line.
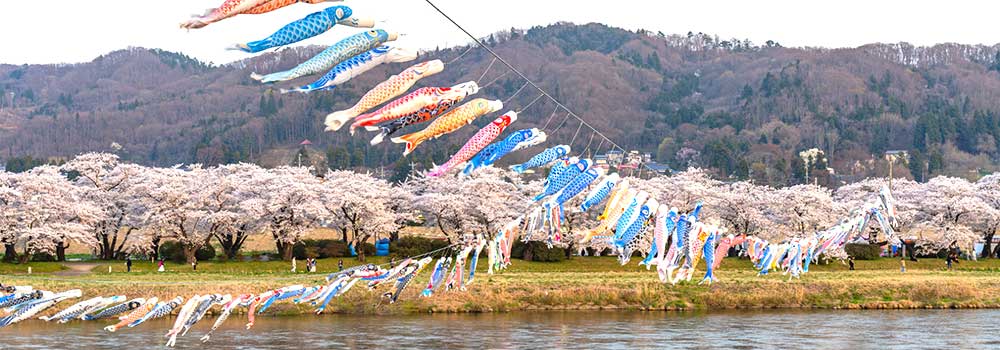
[{"x": 55, "y": 31}]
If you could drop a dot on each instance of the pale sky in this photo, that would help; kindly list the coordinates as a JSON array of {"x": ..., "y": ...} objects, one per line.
[{"x": 67, "y": 31}]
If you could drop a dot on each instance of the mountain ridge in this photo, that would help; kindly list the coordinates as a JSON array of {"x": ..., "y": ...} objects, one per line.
[{"x": 729, "y": 100}]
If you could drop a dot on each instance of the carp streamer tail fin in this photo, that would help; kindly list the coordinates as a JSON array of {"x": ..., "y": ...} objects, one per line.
[
  {"x": 412, "y": 141},
  {"x": 255, "y": 46},
  {"x": 336, "y": 120},
  {"x": 381, "y": 136},
  {"x": 273, "y": 77}
]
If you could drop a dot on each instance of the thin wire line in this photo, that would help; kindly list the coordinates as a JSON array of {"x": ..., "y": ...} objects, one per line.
[
  {"x": 576, "y": 134},
  {"x": 512, "y": 68},
  {"x": 460, "y": 56},
  {"x": 493, "y": 81},
  {"x": 589, "y": 143},
  {"x": 550, "y": 118},
  {"x": 561, "y": 125},
  {"x": 515, "y": 93},
  {"x": 532, "y": 102},
  {"x": 598, "y": 149},
  {"x": 487, "y": 70}
]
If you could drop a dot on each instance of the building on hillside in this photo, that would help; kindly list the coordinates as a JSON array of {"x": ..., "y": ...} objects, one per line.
[
  {"x": 615, "y": 157},
  {"x": 661, "y": 169},
  {"x": 601, "y": 161}
]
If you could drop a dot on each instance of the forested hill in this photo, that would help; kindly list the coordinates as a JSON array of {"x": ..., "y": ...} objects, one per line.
[{"x": 740, "y": 108}]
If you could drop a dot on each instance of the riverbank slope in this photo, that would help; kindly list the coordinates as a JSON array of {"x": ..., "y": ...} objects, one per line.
[{"x": 583, "y": 283}]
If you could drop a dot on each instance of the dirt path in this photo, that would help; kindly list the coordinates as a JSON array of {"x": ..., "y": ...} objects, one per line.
[{"x": 76, "y": 269}]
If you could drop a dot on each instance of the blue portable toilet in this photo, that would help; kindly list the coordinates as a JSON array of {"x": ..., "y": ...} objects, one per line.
[
  {"x": 382, "y": 247},
  {"x": 351, "y": 248}
]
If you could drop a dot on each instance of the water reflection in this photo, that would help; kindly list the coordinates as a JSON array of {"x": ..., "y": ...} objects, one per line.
[{"x": 550, "y": 330}]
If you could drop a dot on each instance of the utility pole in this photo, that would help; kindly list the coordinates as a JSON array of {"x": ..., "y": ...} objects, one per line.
[{"x": 890, "y": 158}]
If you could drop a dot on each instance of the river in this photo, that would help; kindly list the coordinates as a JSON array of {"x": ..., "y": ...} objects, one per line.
[{"x": 924, "y": 329}]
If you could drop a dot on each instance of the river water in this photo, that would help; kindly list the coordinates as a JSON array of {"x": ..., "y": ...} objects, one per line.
[{"x": 923, "y": 329}]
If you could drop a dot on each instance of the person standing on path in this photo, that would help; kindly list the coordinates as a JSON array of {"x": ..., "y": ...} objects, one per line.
[
  {"x": 293, "y": 264},
  {"x": 340, "y": 265},
  {"x": 161, "y": 268},
  {"x": 850, "y": 263},
  {"x": 902, "y": 264},
  {"x": 128, "y": 264}
]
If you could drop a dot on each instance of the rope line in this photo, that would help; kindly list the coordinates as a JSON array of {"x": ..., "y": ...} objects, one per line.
[
  {"x": 493, "y": 81},
  {"x": 496, "y": 57},
  {"x": 589, "y": 143},
  {"x": 487, "y": 70},
  {"x": 515, "y": 93},
  {"x": 531, "y": 103},
  {"x": 460, "y": 56},
  {"x": 576, "y": 134},
  {"x": 550, "y": 118},
  {"x": 561, "y": 125},
  {"x": 598, "y": 149}
]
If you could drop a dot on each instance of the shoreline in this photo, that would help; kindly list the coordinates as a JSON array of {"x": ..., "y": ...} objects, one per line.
[{"x": 581, "y": 284}]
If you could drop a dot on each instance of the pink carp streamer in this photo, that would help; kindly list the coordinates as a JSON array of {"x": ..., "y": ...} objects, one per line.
[{"x": 481, "y": 139}]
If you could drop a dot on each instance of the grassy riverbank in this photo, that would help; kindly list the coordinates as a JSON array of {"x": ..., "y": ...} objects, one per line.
[{"x": 578, "y": 284}]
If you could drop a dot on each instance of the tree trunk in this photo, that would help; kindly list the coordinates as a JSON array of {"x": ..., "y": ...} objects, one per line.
[
  {"x": 343, "y": 234},
  {"x": 190, "y": 253},
  {"x": 231, "y": 245},
  {"x": 9, "y": 253},
  {"x": 155, "y": 245},
  {"x": 284, "y": 250},
  {"x": 61, "y": 252},
  {"x": 357, "y": 246},
  {"x": 361, "y": 253},
  {"x": 104, "y": 248},
  {"x": 119, "y": 247},
  {"x": 988, "y": 245}
]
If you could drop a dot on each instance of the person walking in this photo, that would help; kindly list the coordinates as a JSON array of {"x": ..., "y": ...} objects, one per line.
[
  {"x": 340, "y": 265},
  {"x": 947, "y": 262},
  {"x": 128, "y": 264},
  {"x": 161, "y": 268},
  {"x": 850, "y": 263},
  {"x": 293, "y": 264},
  {"x": 902, "y": 264}
]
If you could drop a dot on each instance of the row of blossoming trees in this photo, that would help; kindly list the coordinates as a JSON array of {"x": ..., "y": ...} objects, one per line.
[{"x": 119, "y": 208}]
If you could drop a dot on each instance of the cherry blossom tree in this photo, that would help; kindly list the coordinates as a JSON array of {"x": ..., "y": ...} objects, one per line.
[
  {"x": 363, "y": 205},
  {"x": 441, "y": 200},
  {"x": 497, "y": 197},
  {"x": 480, "y": 203},
  {"x": 111, "y": 185},
  {"x": 235, "y": 208},
  {"x": 11, "y": 207},
  {"x": 291, "y": 205},
  {"x": 48, "y": 212},
  {"x": 176, "y": 206},
  {"x": 747, "y": 208},
  {"x": 804, "y": 208},
  {"x": 952, "y": 203},
  {"x": 988, "y": 189},
  {"x": 682, "y": 190}
]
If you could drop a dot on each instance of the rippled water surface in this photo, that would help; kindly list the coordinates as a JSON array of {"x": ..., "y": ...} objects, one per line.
[{"x": 924, "y": 329}]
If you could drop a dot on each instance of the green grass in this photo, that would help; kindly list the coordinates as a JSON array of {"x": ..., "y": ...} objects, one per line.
[
  {"x": 36, "y": 267},
  {"x": 580, "y": 283}
]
